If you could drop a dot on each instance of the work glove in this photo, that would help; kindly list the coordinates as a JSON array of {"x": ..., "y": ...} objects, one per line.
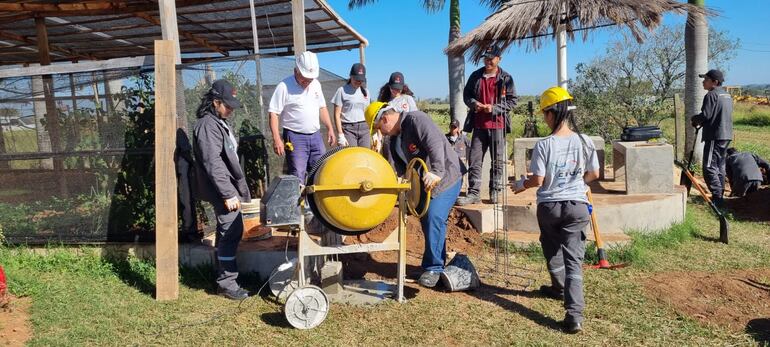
[
  {"x": 377, "y": 142},
  {"x": 341, "y": 140},
  {"x": 233, "y": 204},
  {"x": 430, "y": 180},
  {"x": 518, "y": 186}
]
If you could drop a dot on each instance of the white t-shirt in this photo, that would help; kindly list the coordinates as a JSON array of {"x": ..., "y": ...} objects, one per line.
[
  {"x": 353, "y": 103},
  {"x": 299, "y": 109},
  {"x": 404, "y": 103},
  {"x": 562, "y": 162}
]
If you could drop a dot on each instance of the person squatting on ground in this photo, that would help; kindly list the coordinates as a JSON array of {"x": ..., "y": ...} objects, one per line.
[
  {"x": 490, "y": 95},
  {"x": 745, "y": 172},
  {"x": 716, "y": 119},
  {"x": 298, "y": 102},
  {"x": 398, "y": 95},
  {"x": 221, "y": 181},
  {"x": 419, "y": 137},
  {"x": 562, "y": 164},
  {"x": 350, "y": 102}
]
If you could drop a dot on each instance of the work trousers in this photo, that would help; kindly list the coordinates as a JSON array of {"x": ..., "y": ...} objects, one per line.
[
  {"x": 357, "y": 134},
  {"x": 307, "y": 149},
  {"x": 483, "y": 140},
  {"x": 562, "y": 236},
  {"x": 714, "y": 160},
  {"x": 229, "y": 232},
  {"x": 740, "y": 189},
  {"x": 434, "y": 224}
]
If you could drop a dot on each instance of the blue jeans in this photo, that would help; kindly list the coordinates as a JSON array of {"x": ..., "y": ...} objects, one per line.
[
  {"x": 434, "y": 227},
  {"x": 308, "y": 148}
]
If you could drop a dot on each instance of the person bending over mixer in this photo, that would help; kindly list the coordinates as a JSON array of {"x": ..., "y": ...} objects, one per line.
[
  {"x": 221, "y": 181},
  {"x": 562, "y": 164},
  {"x": 414, "y": 135}
]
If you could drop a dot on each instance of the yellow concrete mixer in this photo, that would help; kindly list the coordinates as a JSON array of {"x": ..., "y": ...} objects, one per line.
[{"x": 350, "y": 191}]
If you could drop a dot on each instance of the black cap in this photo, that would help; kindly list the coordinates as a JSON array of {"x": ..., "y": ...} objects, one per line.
[
  {"x": 714, "y": 75},
  {"x": 225, "y": 91},
  {"x": 396, "y": 81},
  {"x": 358, "y": 72},
  {"x": 491, "y": 52},
  {"x": 454, "y": 123}
]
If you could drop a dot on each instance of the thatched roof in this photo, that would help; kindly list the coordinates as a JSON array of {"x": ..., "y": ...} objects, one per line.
[{"x": 530, "y": 21}]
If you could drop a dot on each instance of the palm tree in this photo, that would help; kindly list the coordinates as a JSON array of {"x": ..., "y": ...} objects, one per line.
[
  {"x": 696, "y": 42},
  {"x": 456, "y": 63}
]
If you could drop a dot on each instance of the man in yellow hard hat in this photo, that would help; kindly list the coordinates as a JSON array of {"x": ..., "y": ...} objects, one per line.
[{"x": 420, "y": 138}]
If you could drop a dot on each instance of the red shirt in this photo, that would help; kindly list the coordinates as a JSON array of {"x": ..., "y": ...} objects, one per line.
[{"x": 487, "y": 96}]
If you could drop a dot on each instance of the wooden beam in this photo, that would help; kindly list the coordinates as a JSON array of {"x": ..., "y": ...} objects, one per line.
[
  {"x": 200, "y": 41},
  {"x": 89, "y": 9},
  {"x": 166, "y": 247},
  {"x": 15, "y": 37},
  {"x": 102, "y": 30},
  {"x": 168, "y": 27},
  {"x": 362, "y": 54},
  {"x": 298, "y": 25},
  {"x": 118, "y": 63}
]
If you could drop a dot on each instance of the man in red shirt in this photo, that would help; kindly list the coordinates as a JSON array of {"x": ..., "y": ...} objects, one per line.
[{"x": 490, "y": 95}]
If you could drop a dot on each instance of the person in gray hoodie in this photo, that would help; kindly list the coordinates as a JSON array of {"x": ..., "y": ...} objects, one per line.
[
  {"x": 221, "y": 181},
  {"x": 716, "y": 119},
  {"x": 745, "y": 172},
  {"x": 414, "y": 135}
]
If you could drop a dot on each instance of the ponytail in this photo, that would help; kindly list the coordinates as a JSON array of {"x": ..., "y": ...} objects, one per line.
[{"x": 564, "y": 115}]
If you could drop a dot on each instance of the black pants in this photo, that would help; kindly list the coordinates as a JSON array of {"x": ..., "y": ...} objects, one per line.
[
  {"x": 741, "y": 189},
  {"x": 714, "y": 158},
  {"x": 483, "y": 140}
]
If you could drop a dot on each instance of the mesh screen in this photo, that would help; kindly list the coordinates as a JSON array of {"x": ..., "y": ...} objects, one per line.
[{"x": 76, "y": 150}]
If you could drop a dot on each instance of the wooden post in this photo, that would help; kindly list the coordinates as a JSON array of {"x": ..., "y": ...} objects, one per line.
[
  {"x": 298, "y": 24},
  {"x": 362, "y": 54},
  {"x": 51, "y": 114},
  {"x": 168, "y": 26},
  {"x": 166, "y": 248},
  {"x": 679, "y": 129}
]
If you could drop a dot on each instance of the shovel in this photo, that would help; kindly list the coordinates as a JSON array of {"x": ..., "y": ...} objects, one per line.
[
  {"x": 724, "y": 227},
  {"x": 603, "y": 262}
]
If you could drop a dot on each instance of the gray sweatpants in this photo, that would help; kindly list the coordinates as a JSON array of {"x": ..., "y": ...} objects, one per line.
[
  {"x": 357, "y": 134},
  {"x": 483, "y": 140},
  {"x": 229, "y": 233},
  {"x": 562, "y": 236}
]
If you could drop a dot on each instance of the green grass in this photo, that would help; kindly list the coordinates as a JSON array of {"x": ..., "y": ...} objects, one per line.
[{"x": 80, "y": 298}]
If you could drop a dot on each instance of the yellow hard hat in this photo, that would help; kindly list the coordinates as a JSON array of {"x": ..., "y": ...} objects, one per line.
[
  {"x": 553, "y": 96},
  {"x": 371, "y": 113}
]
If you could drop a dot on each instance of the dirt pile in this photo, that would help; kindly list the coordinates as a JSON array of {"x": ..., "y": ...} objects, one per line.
[
  {"x": 462, "y": 237},
  {"x": 751, "y": 207},
  {"x": 737, "y": 300},
  {"x": 15, "y": 329}
]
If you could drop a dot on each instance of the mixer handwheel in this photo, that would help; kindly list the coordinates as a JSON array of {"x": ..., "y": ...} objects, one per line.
[{"x": 306, "y": 307}]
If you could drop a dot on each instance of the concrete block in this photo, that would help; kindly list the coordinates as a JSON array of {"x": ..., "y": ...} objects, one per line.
[
  {"x": 480, "y": 216},
  {"x": 647, "y": 167},
  {"x": 331, "y": 277},
  {"x": 522, "y": 149}
]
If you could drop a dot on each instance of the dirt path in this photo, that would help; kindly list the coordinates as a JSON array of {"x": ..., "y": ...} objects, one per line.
[
  {"x": 738, "y": 300},
  {"x": 15, "y": 329}
]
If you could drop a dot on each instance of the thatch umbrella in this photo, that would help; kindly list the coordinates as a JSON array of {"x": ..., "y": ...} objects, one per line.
[{"x": 530, "y": 21}]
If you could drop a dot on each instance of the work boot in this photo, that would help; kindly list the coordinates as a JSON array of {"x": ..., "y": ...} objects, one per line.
[
  {"x": 719, "y": 202},
  {"x": 429, "y": 279},
  {"x": 572, "y": 327},
  {"x": 233, "y": 294},
  {"x": 471, "y": 198},
  {"x": 552, "y": 292},
  {"x": 494, "y": 197}
]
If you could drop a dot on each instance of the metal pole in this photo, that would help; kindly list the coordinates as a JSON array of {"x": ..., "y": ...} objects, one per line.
[{"x": 561, "y": 51}]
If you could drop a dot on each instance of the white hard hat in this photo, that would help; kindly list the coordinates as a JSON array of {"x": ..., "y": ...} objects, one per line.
[{"x": 307, "y": 63}]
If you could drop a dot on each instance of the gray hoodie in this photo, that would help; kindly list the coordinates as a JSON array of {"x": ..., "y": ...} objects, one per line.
[
  {"x": 716, "y": 115},
  {"x": 218, "y": 171}
]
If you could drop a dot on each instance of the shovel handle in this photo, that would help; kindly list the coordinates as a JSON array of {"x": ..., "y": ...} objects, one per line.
[{"x": 594, "y": 223}]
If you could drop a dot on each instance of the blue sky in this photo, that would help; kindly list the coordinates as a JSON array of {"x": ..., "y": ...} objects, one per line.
[{"x": 403, "y": 37}]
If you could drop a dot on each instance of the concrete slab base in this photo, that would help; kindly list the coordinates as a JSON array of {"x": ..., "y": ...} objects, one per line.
[
  {"x": 363, "y": 293},
  {"x": 617, "y": 212}
]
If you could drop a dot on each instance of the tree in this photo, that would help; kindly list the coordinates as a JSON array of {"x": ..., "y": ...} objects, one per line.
[
  {"x": 456, "y": 64},
  {"x": 696, "y": 44},
  {"x": 632, "y": 84}
]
